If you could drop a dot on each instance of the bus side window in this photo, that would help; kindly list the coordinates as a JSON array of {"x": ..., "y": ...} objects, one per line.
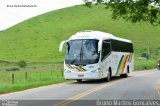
[{"x": 105, "y": 49}]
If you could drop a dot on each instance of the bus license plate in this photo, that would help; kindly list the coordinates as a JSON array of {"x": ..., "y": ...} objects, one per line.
[{"x": 80, "y": 75}]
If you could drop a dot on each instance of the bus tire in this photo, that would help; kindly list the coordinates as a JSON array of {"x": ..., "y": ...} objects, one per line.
[
  {"x": 79, "y": 80},
  {"x": 108, "y": 76},
  {"x": 126, "y": 74}
]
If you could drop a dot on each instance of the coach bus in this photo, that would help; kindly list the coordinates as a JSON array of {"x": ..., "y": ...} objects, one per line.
[{"x": 97, "y": 55}]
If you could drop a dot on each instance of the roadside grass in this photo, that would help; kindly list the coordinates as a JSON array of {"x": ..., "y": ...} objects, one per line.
[
  {"x": 33, "y": 79},
  {"x": 6, "y": 88},
  {"x": 144, "y": 64},
  {"x": 34, "y": 75}
]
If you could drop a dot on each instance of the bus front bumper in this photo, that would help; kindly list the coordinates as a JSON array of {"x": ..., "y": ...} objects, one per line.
[{"x": 84, "y": 76}]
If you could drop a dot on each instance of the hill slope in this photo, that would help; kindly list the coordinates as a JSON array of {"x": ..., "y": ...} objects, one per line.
[{"x": 38, "y": 38}]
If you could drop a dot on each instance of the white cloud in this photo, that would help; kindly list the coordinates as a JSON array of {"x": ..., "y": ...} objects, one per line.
[{"x": 10, "y": 16}]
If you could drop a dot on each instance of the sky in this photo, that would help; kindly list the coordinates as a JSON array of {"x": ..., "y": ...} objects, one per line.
[{"x": 11, "y": 15}]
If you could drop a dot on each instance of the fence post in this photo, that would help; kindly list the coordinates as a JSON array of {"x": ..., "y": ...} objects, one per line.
[
  {"x": 26, "y": 75},
  {"x": 40, "y": 75},
  {"x": 2, "y": 76},
  {"x": 12, "y": 78},
  {"x": 56, "y": 73},
  {"x": 62, "y": 72},
  {"x": 51, "y": 72}
]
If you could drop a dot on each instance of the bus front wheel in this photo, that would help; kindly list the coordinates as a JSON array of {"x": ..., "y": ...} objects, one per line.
[{"x": 108, "y": 76}]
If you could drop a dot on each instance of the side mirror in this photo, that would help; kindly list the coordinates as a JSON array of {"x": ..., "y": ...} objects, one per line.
[
  {"x": 99, "y": 45},
  {"x": 61, "y": 45}
]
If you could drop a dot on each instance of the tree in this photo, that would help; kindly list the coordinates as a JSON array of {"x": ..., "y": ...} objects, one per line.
[{"x": 132, "y": 10}]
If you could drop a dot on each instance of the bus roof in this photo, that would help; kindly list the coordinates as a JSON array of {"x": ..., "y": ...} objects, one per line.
[{"x": 89, "y": 34}]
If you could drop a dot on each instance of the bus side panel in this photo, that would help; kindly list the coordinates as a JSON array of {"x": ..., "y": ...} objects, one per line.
[
  {"x": 104, "y": 65},
  {"x": 118, "y": 62},
  {"x": 122, "y": 61}
]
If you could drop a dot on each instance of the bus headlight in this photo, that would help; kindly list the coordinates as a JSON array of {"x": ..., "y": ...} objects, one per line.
[
  {"x": 96, "y": 70},
  {"x": 67, "y": 71}
]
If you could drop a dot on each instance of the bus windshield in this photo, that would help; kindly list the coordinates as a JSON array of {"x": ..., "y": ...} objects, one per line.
[{"x": 82, "y": 52}]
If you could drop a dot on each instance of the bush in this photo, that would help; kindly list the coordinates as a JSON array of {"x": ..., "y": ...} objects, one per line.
[
  {"x": 144, "y": 64},
  {"x": 145, "y": 55},
  {"x": 12, "y": 69},
  {"x": 22, "y": 64}
]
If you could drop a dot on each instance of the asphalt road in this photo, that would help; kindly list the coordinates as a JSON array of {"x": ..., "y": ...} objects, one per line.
[{"x": 138, "y": 86}]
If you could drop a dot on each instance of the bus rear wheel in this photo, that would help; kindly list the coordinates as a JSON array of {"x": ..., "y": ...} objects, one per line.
[{"x": 124, "y": 75}]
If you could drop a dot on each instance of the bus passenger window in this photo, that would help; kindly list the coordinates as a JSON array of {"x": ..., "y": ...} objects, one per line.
[{"x": 105, "y": 49}]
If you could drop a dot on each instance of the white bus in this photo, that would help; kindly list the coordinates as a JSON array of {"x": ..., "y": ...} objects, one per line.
[{"x": 97, "y": 55}]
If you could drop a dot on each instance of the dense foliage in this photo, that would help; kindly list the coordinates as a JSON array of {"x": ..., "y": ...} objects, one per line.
[{"x": 132, "y": 10}]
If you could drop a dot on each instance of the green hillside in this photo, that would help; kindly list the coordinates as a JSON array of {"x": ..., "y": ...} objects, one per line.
[{"x": 38, "y": 39}]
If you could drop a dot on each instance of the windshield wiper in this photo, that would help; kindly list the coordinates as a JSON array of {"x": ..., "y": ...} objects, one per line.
[
  {"x": 79, "y": 55},
  {"x": 75, "y": 59}
]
